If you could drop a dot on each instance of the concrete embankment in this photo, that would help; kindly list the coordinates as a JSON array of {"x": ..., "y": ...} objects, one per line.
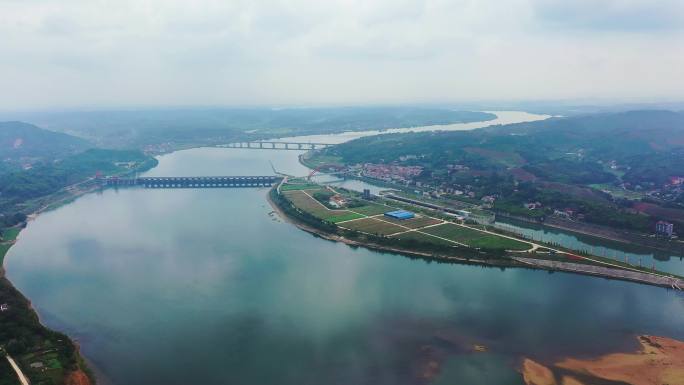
[{"x": 607, "y": 272}]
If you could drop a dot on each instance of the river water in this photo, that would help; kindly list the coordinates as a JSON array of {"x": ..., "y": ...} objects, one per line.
[{"x": 180, "y": 287}]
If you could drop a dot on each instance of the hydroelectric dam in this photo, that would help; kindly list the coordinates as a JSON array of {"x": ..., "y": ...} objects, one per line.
[{"x": 193, "y": 181}]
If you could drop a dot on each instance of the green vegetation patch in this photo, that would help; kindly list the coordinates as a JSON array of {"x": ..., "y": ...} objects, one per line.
[
  {"x": 11, "y": 233},
  {"x": 474, "y": 238},
  {"x": 4, "y": 247},
  {"x": 373, "y": 226}
]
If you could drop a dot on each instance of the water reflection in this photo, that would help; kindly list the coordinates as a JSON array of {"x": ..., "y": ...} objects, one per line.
[{"x": 204, "y": 287}]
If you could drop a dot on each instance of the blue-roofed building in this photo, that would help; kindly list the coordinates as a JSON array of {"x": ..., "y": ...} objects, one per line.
[{"x": 400, "y": 214}]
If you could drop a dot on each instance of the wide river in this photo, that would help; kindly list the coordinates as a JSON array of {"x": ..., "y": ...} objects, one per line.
[{"x": 183, "y": 287}]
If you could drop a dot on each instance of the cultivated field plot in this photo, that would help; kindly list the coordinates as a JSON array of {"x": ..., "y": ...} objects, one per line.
[
  {"x": 372, "y": 209},
  {"x": 413, "y": 223},
  {"x": 474, "y": 238},
  {"x": 425, "y": 238},
  {"x": 372, "y": 226},
  {"x": 315, "y": 208}
]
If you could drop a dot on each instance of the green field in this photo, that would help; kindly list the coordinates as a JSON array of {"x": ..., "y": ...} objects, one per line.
[
  {"x": 414, "y": 223},
  {"x": 474, "y": 238},
  {"x": 421, "y": 237},
  {"x": 304, "y": 202},
  {"x": 373, "y": 226}
]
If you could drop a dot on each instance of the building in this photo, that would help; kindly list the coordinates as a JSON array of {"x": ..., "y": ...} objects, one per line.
[
  {"x": 400, "y": 214},
  {"x": 366, "y": 194},
  {"x": 337, "y": 201},
  {"x": 664, "y": 228}
]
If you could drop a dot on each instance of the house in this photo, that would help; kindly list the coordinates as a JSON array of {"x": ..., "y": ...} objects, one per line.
[
  {"x": 337, "y": 201},
  {"x": 561, "y": 214},
  {"x": 488, "y": 199},
  {"x": 664, "y": 228}
]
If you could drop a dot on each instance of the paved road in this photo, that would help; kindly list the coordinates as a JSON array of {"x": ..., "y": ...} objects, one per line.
[
  {"x": 618, "y": 273},
  {"x": 24, "y": 380}
]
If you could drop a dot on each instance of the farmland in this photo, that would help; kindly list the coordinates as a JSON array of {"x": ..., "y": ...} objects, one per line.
[
  {"x": 414, "y": 223},
  {"x": 368, "y": 219},
  {"x": 424, "y": 238},
  {"x": 475, "y": 238},
  {"x": 372, "y": 226},
  {"x": 305, "y": 202}
]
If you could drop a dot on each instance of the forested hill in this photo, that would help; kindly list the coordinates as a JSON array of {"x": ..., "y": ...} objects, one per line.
[
  {"x": 621, "y": 169},
  {"x": 138, "y": 128},
  {"x": 617, "y": 134},
  {"x": 20, "y": 140},
  {"x": 639, "y": 146}
]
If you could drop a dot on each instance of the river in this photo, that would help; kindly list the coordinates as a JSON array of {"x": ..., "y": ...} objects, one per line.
[{"x": 180, "y": 287}]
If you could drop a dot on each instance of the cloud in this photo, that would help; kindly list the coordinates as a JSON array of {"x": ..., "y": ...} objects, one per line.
[
  {"x": 616, "y": 15},
  {"x": 172, "y": 52}
]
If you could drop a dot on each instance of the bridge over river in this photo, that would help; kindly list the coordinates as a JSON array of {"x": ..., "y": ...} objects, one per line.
[
  {"x": 194, "y": 181},
  {"x": 276, "y": 145}
]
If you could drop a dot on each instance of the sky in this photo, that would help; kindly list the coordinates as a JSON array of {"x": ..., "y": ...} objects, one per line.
[{"x": 102, "y": 53}]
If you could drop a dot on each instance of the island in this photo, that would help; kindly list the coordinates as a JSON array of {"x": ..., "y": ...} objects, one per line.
[{"x": 422, "y": 230}]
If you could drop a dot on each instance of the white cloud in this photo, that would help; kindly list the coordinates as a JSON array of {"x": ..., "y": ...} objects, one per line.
[{"x": 80, "y": 52}]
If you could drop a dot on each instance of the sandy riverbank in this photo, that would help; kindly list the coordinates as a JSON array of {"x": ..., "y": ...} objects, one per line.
[{"x": 660, "y": 361}]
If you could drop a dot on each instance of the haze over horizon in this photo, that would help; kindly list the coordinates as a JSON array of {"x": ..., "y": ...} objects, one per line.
[{"x": 121, "y": 53}]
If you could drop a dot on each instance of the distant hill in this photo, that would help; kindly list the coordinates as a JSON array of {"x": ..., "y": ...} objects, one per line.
[
  {"x": 138, "y": 128},
  {"x": 22, "y": 142}
]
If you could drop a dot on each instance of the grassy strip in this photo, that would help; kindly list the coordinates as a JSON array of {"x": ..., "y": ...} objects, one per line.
[{"x": 299, "y": 186}]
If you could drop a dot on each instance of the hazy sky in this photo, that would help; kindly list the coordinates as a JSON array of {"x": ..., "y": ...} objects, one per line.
[{"x": 123, "y": 53}]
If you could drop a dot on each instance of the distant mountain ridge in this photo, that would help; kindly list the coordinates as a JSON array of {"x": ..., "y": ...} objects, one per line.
[
  {"x": 21, "y": 141},
  {"x": 644, "y": 130},
  {"x": 139, "y": 128}
]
